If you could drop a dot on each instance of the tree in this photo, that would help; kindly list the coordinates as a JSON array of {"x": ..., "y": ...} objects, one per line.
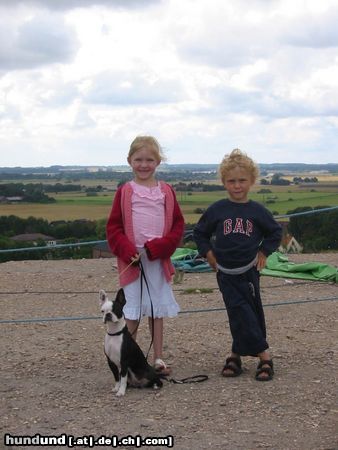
[
  {"x": 264, "y": 182},
  {"x": 277, "y": 180},
  {"x": 315, "y": 231},
  {"x": 101, "y": 229}
]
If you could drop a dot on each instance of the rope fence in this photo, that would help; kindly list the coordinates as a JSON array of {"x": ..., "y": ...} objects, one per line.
[{"x": 191, "y": 311}]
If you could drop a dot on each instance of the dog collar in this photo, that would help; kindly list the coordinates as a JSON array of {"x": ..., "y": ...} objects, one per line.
[{"x": 119, "y": 332}]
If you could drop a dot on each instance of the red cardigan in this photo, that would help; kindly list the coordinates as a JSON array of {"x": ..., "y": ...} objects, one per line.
[{"x": 121, "y": 239}]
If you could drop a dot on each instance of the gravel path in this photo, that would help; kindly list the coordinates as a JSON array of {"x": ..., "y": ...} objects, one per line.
[{"x": 55, "y": 380}]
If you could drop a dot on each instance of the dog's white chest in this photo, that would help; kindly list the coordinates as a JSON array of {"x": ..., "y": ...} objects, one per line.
[{"x": 112, "y": 348}]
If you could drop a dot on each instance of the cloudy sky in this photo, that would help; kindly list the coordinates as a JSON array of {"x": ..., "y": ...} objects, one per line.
[{"x": 79, "y": 79}]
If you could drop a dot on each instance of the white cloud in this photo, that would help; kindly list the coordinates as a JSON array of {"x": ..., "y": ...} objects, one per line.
[
  {"x": 36, "y": 41},
  {"x": 313, "y": 30},
  {"x": 79, "y": 79},
  {"x": 72, "y": 4},
  {"x": 130, "y": 89}
]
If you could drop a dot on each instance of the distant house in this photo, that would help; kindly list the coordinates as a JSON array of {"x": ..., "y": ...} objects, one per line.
[
  {"x": 289, "y": 244},
  {"x": 102, "y": 250},
  {"x": 11, "y": 199},
  {"x": 34, "y": 237}
]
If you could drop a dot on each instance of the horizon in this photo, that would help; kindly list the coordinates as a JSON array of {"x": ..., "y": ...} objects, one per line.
[{"x": 94, "y": 166}]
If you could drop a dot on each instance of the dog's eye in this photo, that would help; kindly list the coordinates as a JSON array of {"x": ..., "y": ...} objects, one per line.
[{"x": 102, "y": 311}]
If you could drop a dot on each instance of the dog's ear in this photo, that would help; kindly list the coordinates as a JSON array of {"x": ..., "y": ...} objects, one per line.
[
  {"x": 103, "y": 296},
  {"x": 120, "y": 297}
]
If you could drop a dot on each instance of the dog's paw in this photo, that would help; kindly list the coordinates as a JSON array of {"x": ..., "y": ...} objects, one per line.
[
  {"x": 120, "y": 393},
  {"x": 116, "y": 388}
]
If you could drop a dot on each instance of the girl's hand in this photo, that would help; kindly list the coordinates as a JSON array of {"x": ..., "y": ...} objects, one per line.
[
  {"x": 135, "y": 259},
  {"x": 211, "y": 260},
  {"x": 261, "y": 260}
]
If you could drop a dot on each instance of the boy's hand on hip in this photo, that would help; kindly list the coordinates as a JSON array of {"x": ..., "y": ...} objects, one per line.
[
  {"x": 261, "y": 261},
  {"x": 211, "y": 260}
]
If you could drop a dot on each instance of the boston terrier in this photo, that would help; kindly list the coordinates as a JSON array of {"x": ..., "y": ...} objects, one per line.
[{"x": 125, "y": 358}]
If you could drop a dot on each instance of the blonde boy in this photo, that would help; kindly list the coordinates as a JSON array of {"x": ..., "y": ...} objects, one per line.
[{"x": 245, "y": 234}]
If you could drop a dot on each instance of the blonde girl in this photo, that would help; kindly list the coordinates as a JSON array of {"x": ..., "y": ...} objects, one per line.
[{"x": 145, "y": 226}]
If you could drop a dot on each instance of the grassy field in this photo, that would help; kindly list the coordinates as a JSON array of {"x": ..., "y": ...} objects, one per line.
[
  {"x": 71, "y": 206},
  {"x": 277, "y": 202}
]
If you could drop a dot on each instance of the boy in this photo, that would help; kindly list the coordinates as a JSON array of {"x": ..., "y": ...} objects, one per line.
[{"x": 245, "y": 234}]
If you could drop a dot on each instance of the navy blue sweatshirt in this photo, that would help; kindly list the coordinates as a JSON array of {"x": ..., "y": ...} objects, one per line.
[{"x": 240, "y": 229}]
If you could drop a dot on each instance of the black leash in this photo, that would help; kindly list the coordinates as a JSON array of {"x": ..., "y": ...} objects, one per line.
[
  {"x": 143, "y": 277},
  {"x": 187, "y": 380}
]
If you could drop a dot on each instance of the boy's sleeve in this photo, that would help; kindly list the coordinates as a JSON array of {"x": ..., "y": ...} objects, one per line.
[
  {"x": 202, "y": 233},
  {"x": 118, "y": 242},
  {"x": 164, "y": 247},
  {"x": 272, "y": 234}
]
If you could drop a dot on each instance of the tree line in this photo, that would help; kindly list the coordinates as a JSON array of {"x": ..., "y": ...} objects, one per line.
[
  {"x": 315, "y": 232},
  {"x": 35, "y": 192},
  {"x": 61, "y": 229},
  {"x": 67, "y": 232}
]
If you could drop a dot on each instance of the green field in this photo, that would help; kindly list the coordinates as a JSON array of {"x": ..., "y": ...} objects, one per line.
[
  {"x": 71, "y": 206},
  {"x": 277, "y": 202}
]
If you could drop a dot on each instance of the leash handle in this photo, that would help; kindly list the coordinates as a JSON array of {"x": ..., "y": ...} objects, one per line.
[
  {"x": 131, "y": 263},
  {"x": 189, "y": 380}
]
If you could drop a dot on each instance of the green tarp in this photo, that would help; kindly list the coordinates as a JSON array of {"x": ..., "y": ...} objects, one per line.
[
  {"x": 188, "y": 260},
  {"x": 278, "y": 265}
]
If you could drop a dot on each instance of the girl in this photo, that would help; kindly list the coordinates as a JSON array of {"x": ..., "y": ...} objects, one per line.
[{"x": 146, "y": 226}]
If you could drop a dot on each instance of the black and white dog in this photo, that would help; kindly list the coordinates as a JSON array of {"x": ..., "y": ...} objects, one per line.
[{"x": 125, "y": 358}]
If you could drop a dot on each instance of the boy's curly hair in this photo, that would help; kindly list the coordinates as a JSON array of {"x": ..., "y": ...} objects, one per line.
[{"x": 237, "y": 158}]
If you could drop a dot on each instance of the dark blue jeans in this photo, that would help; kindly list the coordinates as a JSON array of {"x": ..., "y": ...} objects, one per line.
[{"x": 241, "y": 295}]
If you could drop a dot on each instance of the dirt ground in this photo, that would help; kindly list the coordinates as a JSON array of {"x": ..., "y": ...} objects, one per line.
[{"x": 55, "y": 380}]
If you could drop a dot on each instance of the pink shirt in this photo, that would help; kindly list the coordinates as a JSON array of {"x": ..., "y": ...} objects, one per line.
[{"x": 147, "y": 212}]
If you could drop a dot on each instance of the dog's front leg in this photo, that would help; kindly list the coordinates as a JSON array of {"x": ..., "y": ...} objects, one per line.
[
  {"x": 122, "y": 386},
  {"x": 116, "y": 374},
  {"x": 123, "y": 382}
]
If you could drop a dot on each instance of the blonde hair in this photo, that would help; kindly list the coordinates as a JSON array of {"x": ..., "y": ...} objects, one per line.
[
  {"x": 237, "y": 158},
  {"x": 146, "y": 142}
]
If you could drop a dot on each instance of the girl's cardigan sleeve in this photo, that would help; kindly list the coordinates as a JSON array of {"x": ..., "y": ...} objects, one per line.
[{"x": 118, "y": 242}]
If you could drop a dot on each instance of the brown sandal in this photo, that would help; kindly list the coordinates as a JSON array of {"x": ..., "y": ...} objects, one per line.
[
  {"x": 265, "y": 370},
  {"x": 235, "y": 365}
]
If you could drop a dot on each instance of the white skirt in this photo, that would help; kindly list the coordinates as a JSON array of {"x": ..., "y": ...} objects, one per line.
[{"x": 161, "y": 303}]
